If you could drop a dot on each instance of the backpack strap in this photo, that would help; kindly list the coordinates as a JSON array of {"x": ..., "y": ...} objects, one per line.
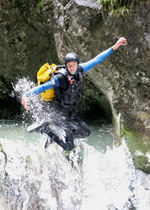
[
  {"x": 57, "y": 92},
  {"x": 61, "y": 66}
]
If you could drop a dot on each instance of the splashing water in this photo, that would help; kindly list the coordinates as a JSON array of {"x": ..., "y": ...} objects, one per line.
[
  {"x": 96, "y": 175},
  {"x": 35, "y": 102},
  {"x": 35, "y": 179},
  {"x": 108, "y": 179}
]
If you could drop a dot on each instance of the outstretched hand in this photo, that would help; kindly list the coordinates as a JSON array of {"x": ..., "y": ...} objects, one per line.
[
  {"x": 121, "y": 41},
  {"x": 24, "y": 102}
]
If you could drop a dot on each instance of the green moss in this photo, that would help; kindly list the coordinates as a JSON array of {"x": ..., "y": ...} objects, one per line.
[
  {"x": 124, "y": 11},
  {"x": 136, "y": 141},
  {"x": 142, "y": 162},
  {"x": 58, "y": 14},
  {"x": 119, "y": 7},
  {"x": 40, "y": 6}
]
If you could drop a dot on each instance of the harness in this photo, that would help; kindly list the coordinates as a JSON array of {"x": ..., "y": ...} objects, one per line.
[{"x": 73, "y": 93}]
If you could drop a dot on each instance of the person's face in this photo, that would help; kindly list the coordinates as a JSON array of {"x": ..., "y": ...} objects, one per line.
[{"x": 72, "y": 67}]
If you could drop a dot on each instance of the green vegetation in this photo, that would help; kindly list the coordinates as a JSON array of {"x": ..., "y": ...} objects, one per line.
[
  {"x": 120, "y": 7},
  {"x": 142, "y": 162},
  {"x": 116, "y": 2},
  {"x": 139, "y": 146},
  {"x": 136, "y": 142},
  {"x": 40, "y": 6}
]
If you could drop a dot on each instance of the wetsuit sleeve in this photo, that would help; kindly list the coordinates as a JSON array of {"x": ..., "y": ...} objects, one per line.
[
  {"x": 41, "y": 88},
  {"x": 97, "y": 60}
]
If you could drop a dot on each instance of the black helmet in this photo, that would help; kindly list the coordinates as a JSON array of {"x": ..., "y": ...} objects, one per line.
[{"x": 71, "y": 57}]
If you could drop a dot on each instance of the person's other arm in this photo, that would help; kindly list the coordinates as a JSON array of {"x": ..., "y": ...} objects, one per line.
[
  {"x": 41, "y": 88},
  {"x": 102, "y": 56},
  {"x": 37, "y": 90},
  {"x": 97, "y": 60},
  {"x": 60, "y": 81}
]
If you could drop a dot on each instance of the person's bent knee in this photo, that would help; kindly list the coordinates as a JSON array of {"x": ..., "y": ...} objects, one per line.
[
  {"x": 87, "y": 133},
  {"x": 69, "y": 147}
]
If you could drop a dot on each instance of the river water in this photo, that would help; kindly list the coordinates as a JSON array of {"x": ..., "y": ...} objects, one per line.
[{"x": 99, "y": 174}]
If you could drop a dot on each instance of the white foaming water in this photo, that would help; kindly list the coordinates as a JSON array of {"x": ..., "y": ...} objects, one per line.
[
  {"x": 32, "y": 178},
  {"x": 36, "y": 179},
  {"x": 107, "y": 178}
]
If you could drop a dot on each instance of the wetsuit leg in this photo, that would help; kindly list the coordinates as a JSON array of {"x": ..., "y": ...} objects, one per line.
[
  {"x": 79, "y": 128},
  {"x": 60, "y": 121},
  {"x": 67, "y": 145},
  {"x": 73, "y": 126}
]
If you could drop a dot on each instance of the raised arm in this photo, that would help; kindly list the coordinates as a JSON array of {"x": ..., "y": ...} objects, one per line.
[
  {"x": 97, "y": 60},
  {"x": 102, "y": 56}
]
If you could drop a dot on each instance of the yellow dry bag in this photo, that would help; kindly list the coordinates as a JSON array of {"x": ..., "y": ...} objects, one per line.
[{"x": 43, "y": 75}]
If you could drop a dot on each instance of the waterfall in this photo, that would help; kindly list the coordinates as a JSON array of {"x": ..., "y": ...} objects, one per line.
[{"x": 34, "y": 178}]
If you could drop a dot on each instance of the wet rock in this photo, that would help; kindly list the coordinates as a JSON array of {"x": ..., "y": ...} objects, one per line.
[
  {"x": 142, "y": 162},
  {"x": 139, "y": 147},
  {"x": 26, "y": 43}
]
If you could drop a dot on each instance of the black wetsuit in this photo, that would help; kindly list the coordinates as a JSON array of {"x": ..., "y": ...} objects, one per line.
[{"x": 67, "y": 95}]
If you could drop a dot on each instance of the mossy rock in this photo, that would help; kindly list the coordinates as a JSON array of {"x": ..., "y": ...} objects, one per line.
[
  {"x": 142, "y": 162},
  {"x": 136, "y": 142}
]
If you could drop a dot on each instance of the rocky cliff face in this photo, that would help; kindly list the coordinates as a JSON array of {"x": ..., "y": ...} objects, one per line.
[
  {"x": 44, "y": 31},
  {"x": 26, "y": 42}
]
